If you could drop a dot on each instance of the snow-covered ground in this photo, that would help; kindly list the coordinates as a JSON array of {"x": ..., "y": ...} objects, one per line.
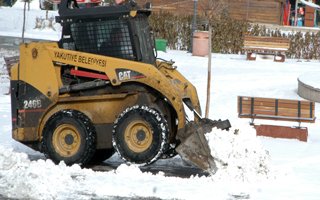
[
  {"x": 258, "y": 167},
  {"x": 289, "y": 171}
]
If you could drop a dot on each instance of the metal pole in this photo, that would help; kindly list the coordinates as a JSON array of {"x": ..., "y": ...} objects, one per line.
[
  {"x": 296, "y": 14},
  {"x": 247, "y": 16},
  {"x": 209, "y": 73},
  {"x": 194, "y": 21},
  {"x": 24, "y": 20}
]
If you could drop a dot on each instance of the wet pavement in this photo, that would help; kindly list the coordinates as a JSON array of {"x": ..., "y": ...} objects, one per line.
[{"x": 172, "y": 168}]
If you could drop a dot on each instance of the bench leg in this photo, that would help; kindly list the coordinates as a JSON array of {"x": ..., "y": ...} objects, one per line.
[
  {"x": 279, "y": 58},
  {"x": 250, "y": 57}
]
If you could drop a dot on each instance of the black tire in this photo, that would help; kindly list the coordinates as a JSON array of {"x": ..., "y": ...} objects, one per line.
[
  {"x": 69, "y": 136},
  {"x": 101, "y": 155},
  {"x": 140, "y": 135}
]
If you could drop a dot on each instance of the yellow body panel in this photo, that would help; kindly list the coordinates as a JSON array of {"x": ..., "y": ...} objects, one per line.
[{"x": 36, "y": 68}]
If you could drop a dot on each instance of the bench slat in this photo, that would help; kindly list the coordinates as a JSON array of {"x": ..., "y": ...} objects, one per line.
[
  {"x": 265, "y": 42},
  {"x": 282, "y": 118},
  {"x": 281, "y": 109},
  {"x": 281, "y": 112},
  {"x": 276, "y": 42},
  {"x": 265, "y": 50},
  {"x": 280, "y": 104},
  {"x": 270, "y": 43},
  {"x": 265, "y": 38},
  {"x": 266, "y": 46}
]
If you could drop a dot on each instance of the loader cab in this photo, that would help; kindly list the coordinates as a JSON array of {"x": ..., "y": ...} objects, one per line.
[{"x": 118, "y": 31}]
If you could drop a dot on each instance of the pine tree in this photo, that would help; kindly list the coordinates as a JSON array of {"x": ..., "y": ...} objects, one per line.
[
  {"x": 298, "y": 39},
  {"x": 317, "y": 45},
  {"x": 306, "y": 49}
]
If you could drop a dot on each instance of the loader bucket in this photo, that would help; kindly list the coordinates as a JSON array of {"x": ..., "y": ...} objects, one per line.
[{"x": 194, "y": 148}]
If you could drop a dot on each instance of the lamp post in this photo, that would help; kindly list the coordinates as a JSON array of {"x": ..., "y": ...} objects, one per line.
[
  {"x": 296, "y": 14},
  {"x": 194, "y": 21}
]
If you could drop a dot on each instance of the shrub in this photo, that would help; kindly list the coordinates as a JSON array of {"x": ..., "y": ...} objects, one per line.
[
  {"x": 227, "y": 34},
  {"x": 177, "y": 31}
]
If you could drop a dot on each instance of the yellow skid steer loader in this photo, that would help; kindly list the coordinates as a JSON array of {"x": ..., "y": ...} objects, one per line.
[{"x": 101, "y": 90}]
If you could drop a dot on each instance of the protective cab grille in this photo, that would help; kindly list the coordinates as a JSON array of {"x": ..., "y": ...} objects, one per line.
[{"x": 104, "y": 37}]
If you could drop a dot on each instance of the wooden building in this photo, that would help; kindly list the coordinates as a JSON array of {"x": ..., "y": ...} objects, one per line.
[
  {"x": 310, "y": 13},
  {"x": 260, "y": 11}
]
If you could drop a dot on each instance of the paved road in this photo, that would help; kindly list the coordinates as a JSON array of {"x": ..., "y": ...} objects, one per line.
[{"x": 169, "y": 168}]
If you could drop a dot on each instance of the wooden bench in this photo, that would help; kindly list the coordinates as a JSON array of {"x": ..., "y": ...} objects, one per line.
[
  {"x": 10, "y": 61},
  {"x": 278, "y": 109},
  {"x": 276, "y": 46}
]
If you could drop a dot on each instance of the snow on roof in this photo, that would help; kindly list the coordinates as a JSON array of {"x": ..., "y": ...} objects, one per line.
[{"x": 313, "y": 5}]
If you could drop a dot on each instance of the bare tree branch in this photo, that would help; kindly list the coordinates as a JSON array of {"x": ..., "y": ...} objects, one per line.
[{"x": 213, "y": 8}]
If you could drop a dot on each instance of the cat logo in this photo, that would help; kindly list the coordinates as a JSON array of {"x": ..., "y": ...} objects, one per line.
[
  {"x": 124, "y": 75},
  {"x": 127, "y": 74}
]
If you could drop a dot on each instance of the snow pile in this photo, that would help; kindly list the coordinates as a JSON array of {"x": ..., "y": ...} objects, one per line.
[
  {"x": 22, "y": 178},
  {"x": 25, "y": 179},
  {"x": 42, "y": 179},
  {"x": 239, "y": 155}
]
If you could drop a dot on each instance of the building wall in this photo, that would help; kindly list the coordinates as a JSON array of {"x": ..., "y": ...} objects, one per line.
[
  {"x": 174, "y": 6},
  {"x": 260, "y": 11}
]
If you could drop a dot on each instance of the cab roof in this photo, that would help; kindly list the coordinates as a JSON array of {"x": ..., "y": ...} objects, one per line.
[{"x": 65, "y": 12}]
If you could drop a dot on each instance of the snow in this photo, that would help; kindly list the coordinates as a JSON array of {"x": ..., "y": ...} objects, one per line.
[
  {"x": 311, "y": 79},
  {"x": 249, "y": 167},
  {"x": 11, "y": 22},
  {"x": 233, "y": 151}
]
